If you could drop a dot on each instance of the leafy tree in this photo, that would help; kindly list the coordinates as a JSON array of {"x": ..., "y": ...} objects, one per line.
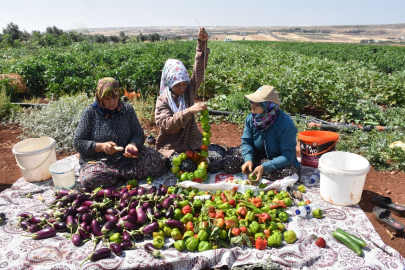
[
  {"x": 7, "y": 41},
  {"x": 98, "y": 38},
  {"x": 114, "y": 39},
  {"x": 154, "y": 37},
  {"x": 123, "y": 37},
  {"x": 25, "y": 36},
  {"x": 13, "y": 30},
  {"x": 54, "y": 31},
  {"x": 142, "y": 37}
]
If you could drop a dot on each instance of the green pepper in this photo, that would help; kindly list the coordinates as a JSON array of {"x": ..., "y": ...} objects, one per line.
[
  {"x": 234, "y": 218},
  {"x": 301, "y": 188},
  {"x": 192, "y": 244},
  {"x": 197, "y": 203},
  {"x": 250, "y": 216},
  {"x": 171, "y": 190},
  {"x": 167, "y": 231},
  {"x": 246, "y": 195},
  {"x": 287, "y": 202},
  {"x": 177, "y": 214},
  {"x": 183, "y": 203},
  {"x": 279, "y": 196},
  {"x": 231, "y": 212},
  {"x": 243, "y": 222},
  {"x": 158, "y": 233},
  {"x": 188, "y": 233},
  {"x": 273, "y": 216},
  {"x": 271, "y": 193},
  {"x": 161, "y": 224},
  {"x": 224, "y": 206},
  {"x": 203, "y": 246},
  {"x": 175, "y": 234},
  {"x": 266, "y": 208},
  {"x": 158, "y": 242},
  {"x": 209, "y": 203},
  {"x": 238, "y": 197},
  {"x": 254, "y": 227},
  {"x": 202, "y": 236},
  {"x": 302, "y": 203},
  {"x": 187, "y": 217},
  {"x": 274, "y": 239},
  {"x": 132, "y": 183},
  {"x": 249, "y": 191},
  {"x": 223, "y": 234},
  {"x": 283, "y": 216},
  {"x": 290, "y": 236},
  {"x": 263, "y": 197},
  {"x": 199, "y": 193},
  {"x": 218, "y": 192},
  {"x": 317, "y": 213},
  {"x": 179, "y": 245},
  {"x": 263, "y": 226},
  {"x": 260, "y": 234},
  {"x": 116, "y": 238},
  {"x": 280, "y": 226},
  {"x": 273, "y": 226}
]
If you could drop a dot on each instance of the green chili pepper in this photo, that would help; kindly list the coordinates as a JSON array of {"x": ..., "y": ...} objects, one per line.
[
  {"x": 202, "y": 236},
  {"x": 203, "y": 246},
  {"x": 254, "y": 227},
  {"x": 158, "y": 242},
  {"x": 274, "y": 239},
  {"x": 116, "y": 238},
  {"x": 290, "y": 236},
  {"x": 175, "y": 234},
  {"x": 177, "y": 214},
  {"x": 192, "y": 244},
  {"x": 179, "y": 245},
  {"x": 224, "y": 206}
]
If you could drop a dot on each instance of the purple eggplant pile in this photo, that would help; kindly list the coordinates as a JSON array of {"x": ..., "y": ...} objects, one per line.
[{"x": 114, "y": 215}]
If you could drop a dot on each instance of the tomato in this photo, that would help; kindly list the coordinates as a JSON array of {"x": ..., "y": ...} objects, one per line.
[{"x": 189, "y": 154}]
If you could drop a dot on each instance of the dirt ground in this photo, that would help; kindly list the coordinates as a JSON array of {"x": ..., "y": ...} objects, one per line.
[{"x": 383, "y": 183}]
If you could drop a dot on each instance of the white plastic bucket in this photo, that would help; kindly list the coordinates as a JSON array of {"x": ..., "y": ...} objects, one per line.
[
  {"x": 63, "y": 174},
  {"x": 342, "y": 177},
  {"x": 34, "y": 156}
]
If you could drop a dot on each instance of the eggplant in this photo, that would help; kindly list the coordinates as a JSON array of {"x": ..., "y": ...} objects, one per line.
[
  {"x": 126, "y": 237},
  {"x": 132, "y": 151},
  {"x": 174, "y": 223},
  {"x": 95, "y": 227},
  {"x": 128, "y": 225},
  {"x": 158, "y": 192},
  {"x": 82, "y": 232},
  {"x": 60, "y": 226},
  {"x": 132, "y": 212},
  {"x": 86, "y": 218},
  {"x": 58, "y": 214},
  {"x": 86, "y": 190},
  {"x": 71, "y": 223},
  {"x": 98, "y": 254},
  {"x": 56, "y": 199},
  {"x": 138, "y": 236},
  {"x": 150, "y": 228},
  {"x": 71, "y": 211},
  {"x": 116, "y": 248},
  {"x": 25, "y": 225},
  {"x": 112, "y": 218},
  {"x": 152, "y": 190},
  {"x": 76, "y": 239},
  {"x": 123, "y": 213},
  {"x": 124, "y": 196},
  {"x": 124, "y": 190},
  {"x": 133, "y": 192},
  {"x": 45, "y": 215},
  {"x": 129, "y": 219},
  {"x": 140, "y": 215},
  {"x": 150, "y": 248},
  {"x": 83, "y": 197},
  {"x": 61, "y": 204},
  {"x": 38, "y": 220},
  {"x": 61, "y": 192},
  {"x": 159, "y": 206},
  {"x": 108, "y": 226},
  {"x": 76, "y": 203},
  {"x": 141, "y": 191},
  {"x": 111, "y": 211},
  {"x": 25, "y": 215},
  {"x": 169, "y": 212},
  {"x": 134, "y": 204},
  {"x": 88, "y": 229},
  {"x": 176, "y": 196},
  {"x": 34, "y": 228},
  {"x": 146, "y": 205},
  {"x": 115, "y": 194},
  {"x": 83, "y": 209},
  {"x": 52, "y": 220},
  {"x": 83, "y": 225},
  {"x": 70, "y": 197},
  {"x": 157, "y": 215},
  {"x": 123, "y": 204},
  {"x": 104, "y": 193},
  {"x": 163, "y": 189},
  {"x": 87, "y": 203},
  {"x": 127, "y": 245},
  {"x": 44, "y": 233},
  {"x": 167, "y": 202}
]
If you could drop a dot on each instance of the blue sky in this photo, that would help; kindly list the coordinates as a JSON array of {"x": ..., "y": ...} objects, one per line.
[{"x": 38, "y": 14}]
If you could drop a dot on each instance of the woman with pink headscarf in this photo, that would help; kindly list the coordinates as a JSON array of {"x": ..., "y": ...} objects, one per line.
[{"x": 175, "y": 107}]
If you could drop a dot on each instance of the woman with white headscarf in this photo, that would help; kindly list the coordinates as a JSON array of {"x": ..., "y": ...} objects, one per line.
[{"x": 175, "y": 107}]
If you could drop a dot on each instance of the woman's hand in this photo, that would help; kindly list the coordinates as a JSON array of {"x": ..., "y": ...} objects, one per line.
[
  {"x": 202, "y": 35},
  {"x": 258, "y": 172},
  {"x": 132, "y": 147},
  {"x": 247, "y": 167},
  {"x": 108, "y": 148},
  {"x": 198, "y": 107}
]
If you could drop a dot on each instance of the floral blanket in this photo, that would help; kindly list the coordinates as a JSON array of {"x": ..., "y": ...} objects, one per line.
[{"x": 21, "y": 252}]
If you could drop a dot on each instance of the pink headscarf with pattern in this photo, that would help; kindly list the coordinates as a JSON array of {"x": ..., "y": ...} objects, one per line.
[{"x": 173, "y": 73}]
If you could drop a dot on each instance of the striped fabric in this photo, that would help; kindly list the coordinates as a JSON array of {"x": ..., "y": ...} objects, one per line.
[{"x": 178, "y": 132}]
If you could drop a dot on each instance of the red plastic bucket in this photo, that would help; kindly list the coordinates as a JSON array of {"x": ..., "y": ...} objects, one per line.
[{"x": 315, "y": 143}]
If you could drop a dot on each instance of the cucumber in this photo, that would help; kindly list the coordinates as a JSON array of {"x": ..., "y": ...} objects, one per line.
[
  {"x": 359, "y": 241},
  {"x": 347, "y": 241}
]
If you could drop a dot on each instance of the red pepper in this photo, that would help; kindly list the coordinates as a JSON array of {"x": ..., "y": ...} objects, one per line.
[
  {"x": 261, "y": 243},
  {"x": 242, "y": 211},
  {"x": 307, "y": 201},
  {"x": 275, "y": 191},
  {"x": 232, "y": 202},
  {"x": 266, "y": 233},
  {"x": 223, "y": 197},
  {"x": 320, "y": 241},
  {"x": 239, "y": 217},
  {"x": 220, "y": 214},
  {"x": 243, "y": 229},
  {"x": 211, "y": 209},
  {"x": 197, "y": 180},
  {"x": 186, "y": 209},
  {"x": 278, "y": 204},
  {"x": 190, "y": 226},
  {"x": 263, "y": 217},
  {"x": 212, "y": 215},
  {"x": 235, "y": 231},
  {"x": 257, "y": 202}
]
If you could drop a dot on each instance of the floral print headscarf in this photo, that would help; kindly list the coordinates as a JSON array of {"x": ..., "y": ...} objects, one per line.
[
  {"x": 106, "y": 87},
  {"x": 173, "y": 73},
  {"x": 264, "y": 120}
]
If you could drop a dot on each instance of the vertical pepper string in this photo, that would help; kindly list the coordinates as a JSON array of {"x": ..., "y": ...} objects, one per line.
[{"x": 205, "y": 53}]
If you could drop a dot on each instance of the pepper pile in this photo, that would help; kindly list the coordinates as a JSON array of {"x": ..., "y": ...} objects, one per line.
[
  {"x": 196, "y": 220},
  {"x": 200, "y": 158}
]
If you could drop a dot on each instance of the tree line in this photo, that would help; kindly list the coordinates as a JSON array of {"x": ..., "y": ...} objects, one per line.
[{"x": 12, "y": 36}]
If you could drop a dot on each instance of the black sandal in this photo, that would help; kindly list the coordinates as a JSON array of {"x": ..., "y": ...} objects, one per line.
[
  {"x": 383, "y": 216},
  {"x": 386, "y": 202}
]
